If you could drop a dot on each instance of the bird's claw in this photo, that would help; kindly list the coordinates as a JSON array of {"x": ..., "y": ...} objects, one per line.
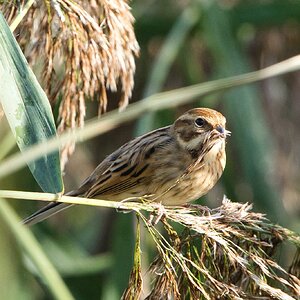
[{"x": 156, "y": 215}]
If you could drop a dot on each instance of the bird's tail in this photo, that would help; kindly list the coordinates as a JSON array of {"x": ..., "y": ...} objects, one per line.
[{"x": 46, "y": 212}]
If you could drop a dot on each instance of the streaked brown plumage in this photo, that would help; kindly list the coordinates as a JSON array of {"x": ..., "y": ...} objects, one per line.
[{"x": 172, "y": 165}]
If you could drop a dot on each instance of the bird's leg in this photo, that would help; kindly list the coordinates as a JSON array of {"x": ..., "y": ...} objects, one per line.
[
  {"x": 156, "y": 215},
  {"x": 197, "y": 208}
]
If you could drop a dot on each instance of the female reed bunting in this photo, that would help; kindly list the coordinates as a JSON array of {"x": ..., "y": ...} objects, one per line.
[{"x": 172, "y": 165}]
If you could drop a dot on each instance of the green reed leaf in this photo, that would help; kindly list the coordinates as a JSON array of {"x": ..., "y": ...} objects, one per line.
[
  {"x": 27, "y": 110},
  {"x": 37, "y": 257}
]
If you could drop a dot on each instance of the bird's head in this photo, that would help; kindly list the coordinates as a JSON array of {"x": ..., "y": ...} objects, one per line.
[{"x": 201, "y": 129}]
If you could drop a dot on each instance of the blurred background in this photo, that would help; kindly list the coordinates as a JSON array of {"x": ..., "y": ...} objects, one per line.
[{"x": 182, "y": 43}]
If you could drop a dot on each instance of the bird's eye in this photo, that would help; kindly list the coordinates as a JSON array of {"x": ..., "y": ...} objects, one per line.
[{"x": 199, "y": 122}]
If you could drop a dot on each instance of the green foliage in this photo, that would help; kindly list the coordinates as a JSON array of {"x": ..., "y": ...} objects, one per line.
[
  {"x": 32, "y": 250},
  {"x": 27, "y": 110}
]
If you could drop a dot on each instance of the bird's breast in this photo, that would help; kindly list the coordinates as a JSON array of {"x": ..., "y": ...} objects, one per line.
[{"x": 199, "y": 180}]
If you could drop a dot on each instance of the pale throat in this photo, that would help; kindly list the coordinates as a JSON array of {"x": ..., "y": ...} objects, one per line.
[{"x": 217, "y": 152}]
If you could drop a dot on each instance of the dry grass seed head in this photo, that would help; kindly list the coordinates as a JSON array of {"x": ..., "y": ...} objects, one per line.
[
  {"x": 223, "y": 253},
  {"x": 85, "y": 47}
]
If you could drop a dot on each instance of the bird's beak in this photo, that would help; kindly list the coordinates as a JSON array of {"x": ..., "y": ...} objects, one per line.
[
  {"x": 223, "y": 132},
  {"x": 227, "y": 132}
]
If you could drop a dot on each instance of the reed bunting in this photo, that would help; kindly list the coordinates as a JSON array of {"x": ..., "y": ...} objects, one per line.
[{"x": 172, "y": 165}]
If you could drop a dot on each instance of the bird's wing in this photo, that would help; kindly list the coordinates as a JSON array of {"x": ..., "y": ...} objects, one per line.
[
  {"x": 126, "y": 171},
  {"x": 121, "y": 173}
]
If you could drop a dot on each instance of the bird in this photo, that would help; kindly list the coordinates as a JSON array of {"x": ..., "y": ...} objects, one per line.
[{"x": 172, "y": 165}]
